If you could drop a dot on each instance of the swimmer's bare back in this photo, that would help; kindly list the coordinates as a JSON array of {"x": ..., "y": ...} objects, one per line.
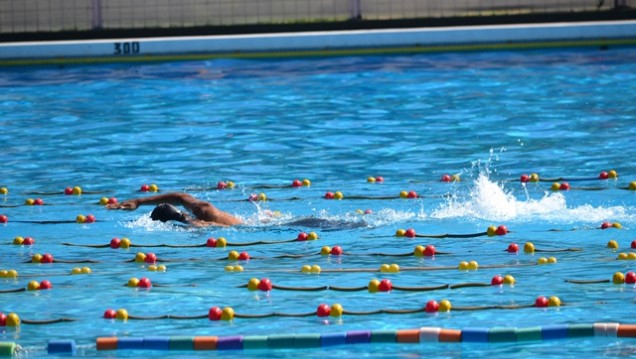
[{"x": 206, "y": 214}]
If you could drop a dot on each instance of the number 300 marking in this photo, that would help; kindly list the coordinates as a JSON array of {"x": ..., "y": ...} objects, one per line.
[{"x": 126, "y": 48}]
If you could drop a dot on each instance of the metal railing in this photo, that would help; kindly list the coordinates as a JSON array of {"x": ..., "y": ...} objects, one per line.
[{"x": 25, "y": 16}]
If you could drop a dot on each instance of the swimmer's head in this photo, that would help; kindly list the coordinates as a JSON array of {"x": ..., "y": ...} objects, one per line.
[{"x": 166, "y": 212}]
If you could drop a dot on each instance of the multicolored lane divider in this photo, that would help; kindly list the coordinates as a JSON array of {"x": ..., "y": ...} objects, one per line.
[
  {"x": 558, "y": 184},
  {"x": 305, "y": 341}
]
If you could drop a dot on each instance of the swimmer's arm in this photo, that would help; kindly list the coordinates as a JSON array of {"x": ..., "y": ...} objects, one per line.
[
  {"x": 174, "y": 198},
  {"x": 203, "y": 210}
]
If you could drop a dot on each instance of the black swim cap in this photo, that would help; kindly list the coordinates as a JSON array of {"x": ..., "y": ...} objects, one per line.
[{"x": 166, "y": 212}]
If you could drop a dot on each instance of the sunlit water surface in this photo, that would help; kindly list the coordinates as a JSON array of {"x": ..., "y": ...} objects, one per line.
[{"x": 488, "y": 117}]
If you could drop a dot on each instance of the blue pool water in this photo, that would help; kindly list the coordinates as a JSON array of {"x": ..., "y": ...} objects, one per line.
[{"x": 487, "y": 116}]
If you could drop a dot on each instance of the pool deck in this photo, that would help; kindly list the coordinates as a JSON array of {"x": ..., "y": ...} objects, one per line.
[{"x": 322, "y": 43}]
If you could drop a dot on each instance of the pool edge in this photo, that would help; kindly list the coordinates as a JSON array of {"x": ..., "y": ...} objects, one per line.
[{"x": 322, "y": 43}]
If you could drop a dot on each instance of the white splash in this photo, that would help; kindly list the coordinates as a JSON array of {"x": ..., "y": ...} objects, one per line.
[
  {"x": 382, "y": 217},
  {"x": 264, "y": 217},
  {"x": 387, "y": 216},
  {"x": 145, "y": 222},
  {"x": 488, "y": 200}
]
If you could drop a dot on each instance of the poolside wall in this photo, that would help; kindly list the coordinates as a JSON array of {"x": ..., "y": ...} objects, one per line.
[
  {"x": 35, "y": 32},
  {"x": 23, "y": 16},
  {"x": 326, "y": 43}
]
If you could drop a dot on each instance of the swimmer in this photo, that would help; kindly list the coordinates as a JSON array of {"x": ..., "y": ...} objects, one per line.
[{"x": 204, "y": 213}]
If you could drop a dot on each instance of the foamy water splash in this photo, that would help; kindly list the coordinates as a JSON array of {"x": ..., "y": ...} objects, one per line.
[
  {"x": 269, "y": 218},
  {"x": 488, "y": 200},
  {"x": 145, "y": 222}
]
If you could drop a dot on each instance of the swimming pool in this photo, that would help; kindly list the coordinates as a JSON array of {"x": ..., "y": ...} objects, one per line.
[{"x": 488, "y": 117}]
